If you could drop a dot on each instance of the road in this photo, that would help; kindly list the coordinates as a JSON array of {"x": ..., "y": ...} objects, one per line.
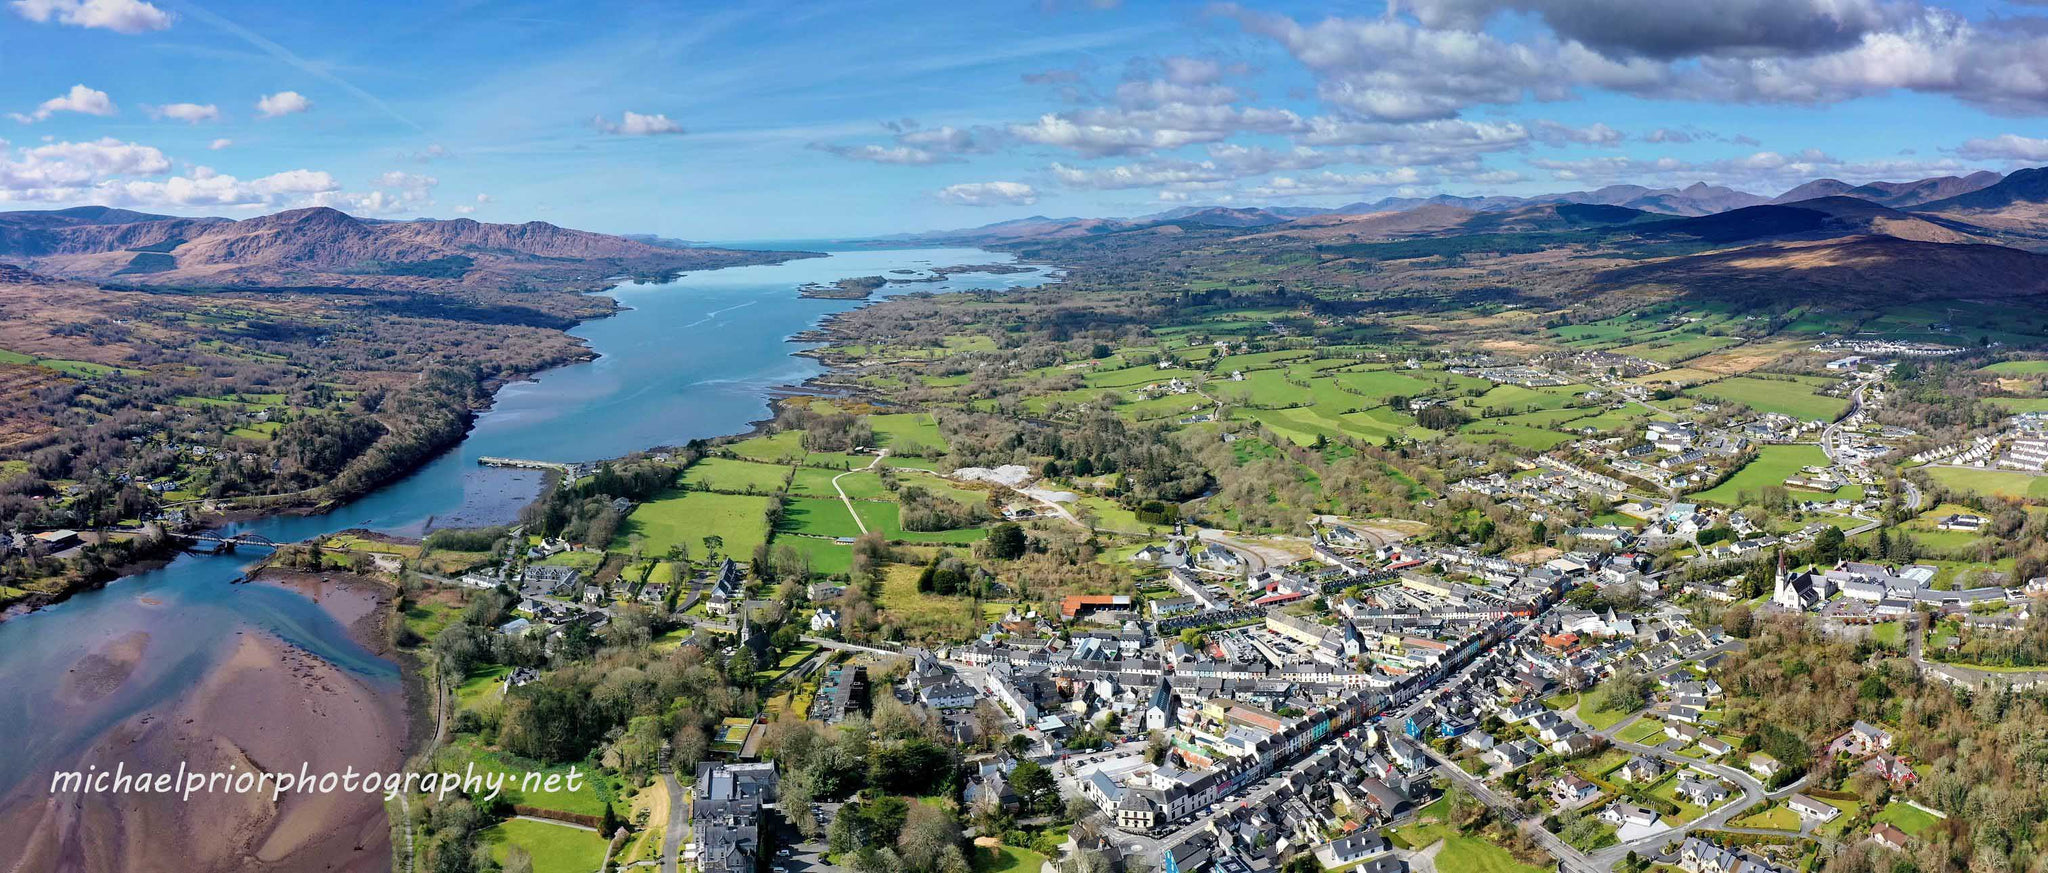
[
  {"x": 848, "y": 500},
  {"x": 678, "y": 808},
  {"x": 1969, "y": 678},
  {"x": 1569, "y": 859},
  {"x": 1753, "y": 793}
]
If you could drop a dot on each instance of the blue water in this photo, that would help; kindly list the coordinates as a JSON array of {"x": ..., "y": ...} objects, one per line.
[{"x": 693, "y": 358}]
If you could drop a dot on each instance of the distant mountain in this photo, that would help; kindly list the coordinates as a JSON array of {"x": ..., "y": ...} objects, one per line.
[
  {"x": 2023, "y": 188},
  {"x": 322, "y": 246},
  {"x": 1898, "y": 195},
  {"x": 1225, "y": 216}
]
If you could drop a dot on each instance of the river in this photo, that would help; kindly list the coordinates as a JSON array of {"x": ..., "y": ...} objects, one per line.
[{"x": 691, "y": 358}]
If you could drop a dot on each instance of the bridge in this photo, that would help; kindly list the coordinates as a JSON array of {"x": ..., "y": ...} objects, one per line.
[{"x": 228, "y": 543}]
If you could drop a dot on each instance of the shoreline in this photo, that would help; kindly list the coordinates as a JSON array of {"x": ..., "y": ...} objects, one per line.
[{"x": 825, "y": 332}]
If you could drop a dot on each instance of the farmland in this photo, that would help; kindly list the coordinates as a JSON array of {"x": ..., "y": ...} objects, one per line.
[{"x": 1785, "y": 395}]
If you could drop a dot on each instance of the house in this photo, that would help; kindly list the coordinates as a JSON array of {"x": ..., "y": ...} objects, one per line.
[
  {"x": 1764, "y": 765},
  {"x": 1714, "y": 746},
  {"x": 1572, "y": 791},
  {"x": 1700, "y": 792},
  {"x": 1696, "y": 855},
  {"x": 1967, "y": 523},
  {"x": 1811, "y": 810},
  {"x": 825, "y": 619},
  {"x": 727, "y": 589},
  {"x": 1622, "y": 814},
  {"x": 1643, "y": 770},
  {"x": 1683, "y": 733},
  {"x": 1891, "y": 768},
  {"x": 1889, "y": 837},
  {"x": 1861, "y": 740},
  {"x": 1352, "y": 848},
  {"x": 949, "y": 695},
  {"x": 1512, "y": 755}
]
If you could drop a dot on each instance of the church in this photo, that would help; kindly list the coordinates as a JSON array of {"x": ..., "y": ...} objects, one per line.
[{"x": 1799, "y": 592}]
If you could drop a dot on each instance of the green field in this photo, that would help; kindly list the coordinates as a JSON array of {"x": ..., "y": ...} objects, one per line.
[
  {"x": 819, "y": 516},
  {"x": 2017, "y": 368},
  {"x": 1900, "y": 815},
  {"x": 480, "y": 685},
  {"x": 2005, "y": 483},
  {"x": 1778, "y": 817},
  {"x": 1793, "y": 398},
  {"x": 467, "y": 749},
  {"x": 555, "y": 848},
  {"x": 688, "y": 516},
  {"x": 827, "y": 556},
  {"x": 908, "y": 432},
  {"x": 1007, "y": 859},
  {"x": 1771, "y": 466},
  {"x": 722, "y": 474},
  {"x": 1463, "y": 854},
  {"x": 1641, "y": 730}
]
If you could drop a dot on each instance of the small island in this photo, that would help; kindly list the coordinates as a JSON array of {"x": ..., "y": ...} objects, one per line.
[{"x": 856, "y": 288}]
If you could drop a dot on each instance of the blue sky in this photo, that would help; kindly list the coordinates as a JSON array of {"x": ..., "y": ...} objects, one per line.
[{"x": 760, "y": 121}]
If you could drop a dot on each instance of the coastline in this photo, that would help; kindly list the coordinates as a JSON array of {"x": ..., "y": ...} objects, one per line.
[{"x": 302, "y": 504}]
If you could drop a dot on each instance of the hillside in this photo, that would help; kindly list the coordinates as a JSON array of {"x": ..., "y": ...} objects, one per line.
[{"x": 322, "y": 246}]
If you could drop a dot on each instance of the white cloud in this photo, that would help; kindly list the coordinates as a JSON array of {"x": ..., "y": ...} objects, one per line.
[
  {"x": 1764, "y": 172},
  {"x": 2006, "y": 147},
  {"x": 40, "y": 172},
  {"x": 190, "y": 113},
  {"x": 635, "y": 124},
  {"x": 121, "y": 16},
  {"x": 219, "y": 144},
  {"x": 1552, "y": 133},
  {"x": 79, "y": 99},
  {"x": 880, "y": 154},
  {"x": 206, "y": 187},
  {"x": 1344, "y": 184},
  {"x": 283, "y": 103},
  {"x": 988, "y": 194},
  {"x": 1151, "y": 174}
]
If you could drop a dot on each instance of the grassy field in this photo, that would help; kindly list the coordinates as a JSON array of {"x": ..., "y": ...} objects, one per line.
[
  {"x": 1005, "y": 859},
  {"x": 1592, "y": 715},
  {"x": 908, "y": 432},
  {"x": 1904, "y": 817},
  {"x": 2017, "y": 368},
  {"x": 827, "y": 556},
  {"x": 689, "y": 516},
  {"x": 467, "y": 749},
  {"x": 480, "y": 685},
  {"x": 1641, "y": 730},
  {"x": 2004, "y": 483},
  {"x": 721, "y": 474},
  {"x": 1794, "y": 398},
  {"x": 1778, "y": 817},
  {"x": 555, "y": 848},
  {"x": 1771, "y": 466},
  {"x": 819, "y": 516},
  {"x": 1463, "y": 854}
]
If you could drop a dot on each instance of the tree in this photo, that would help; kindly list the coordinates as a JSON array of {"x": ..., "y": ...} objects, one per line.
[
  {"x": 608, "y": 824},
  {"x": 1006, "y": 541},
  {"x": 1827, "y": 547},
  {"x": 1036, "y": 789},
  {"x": 712, "y": 544}
]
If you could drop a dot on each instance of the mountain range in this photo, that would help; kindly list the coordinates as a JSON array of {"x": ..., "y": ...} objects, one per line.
[
  {"x": 326, "y": 247},
  {"x": 1945, "y": 194}
]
